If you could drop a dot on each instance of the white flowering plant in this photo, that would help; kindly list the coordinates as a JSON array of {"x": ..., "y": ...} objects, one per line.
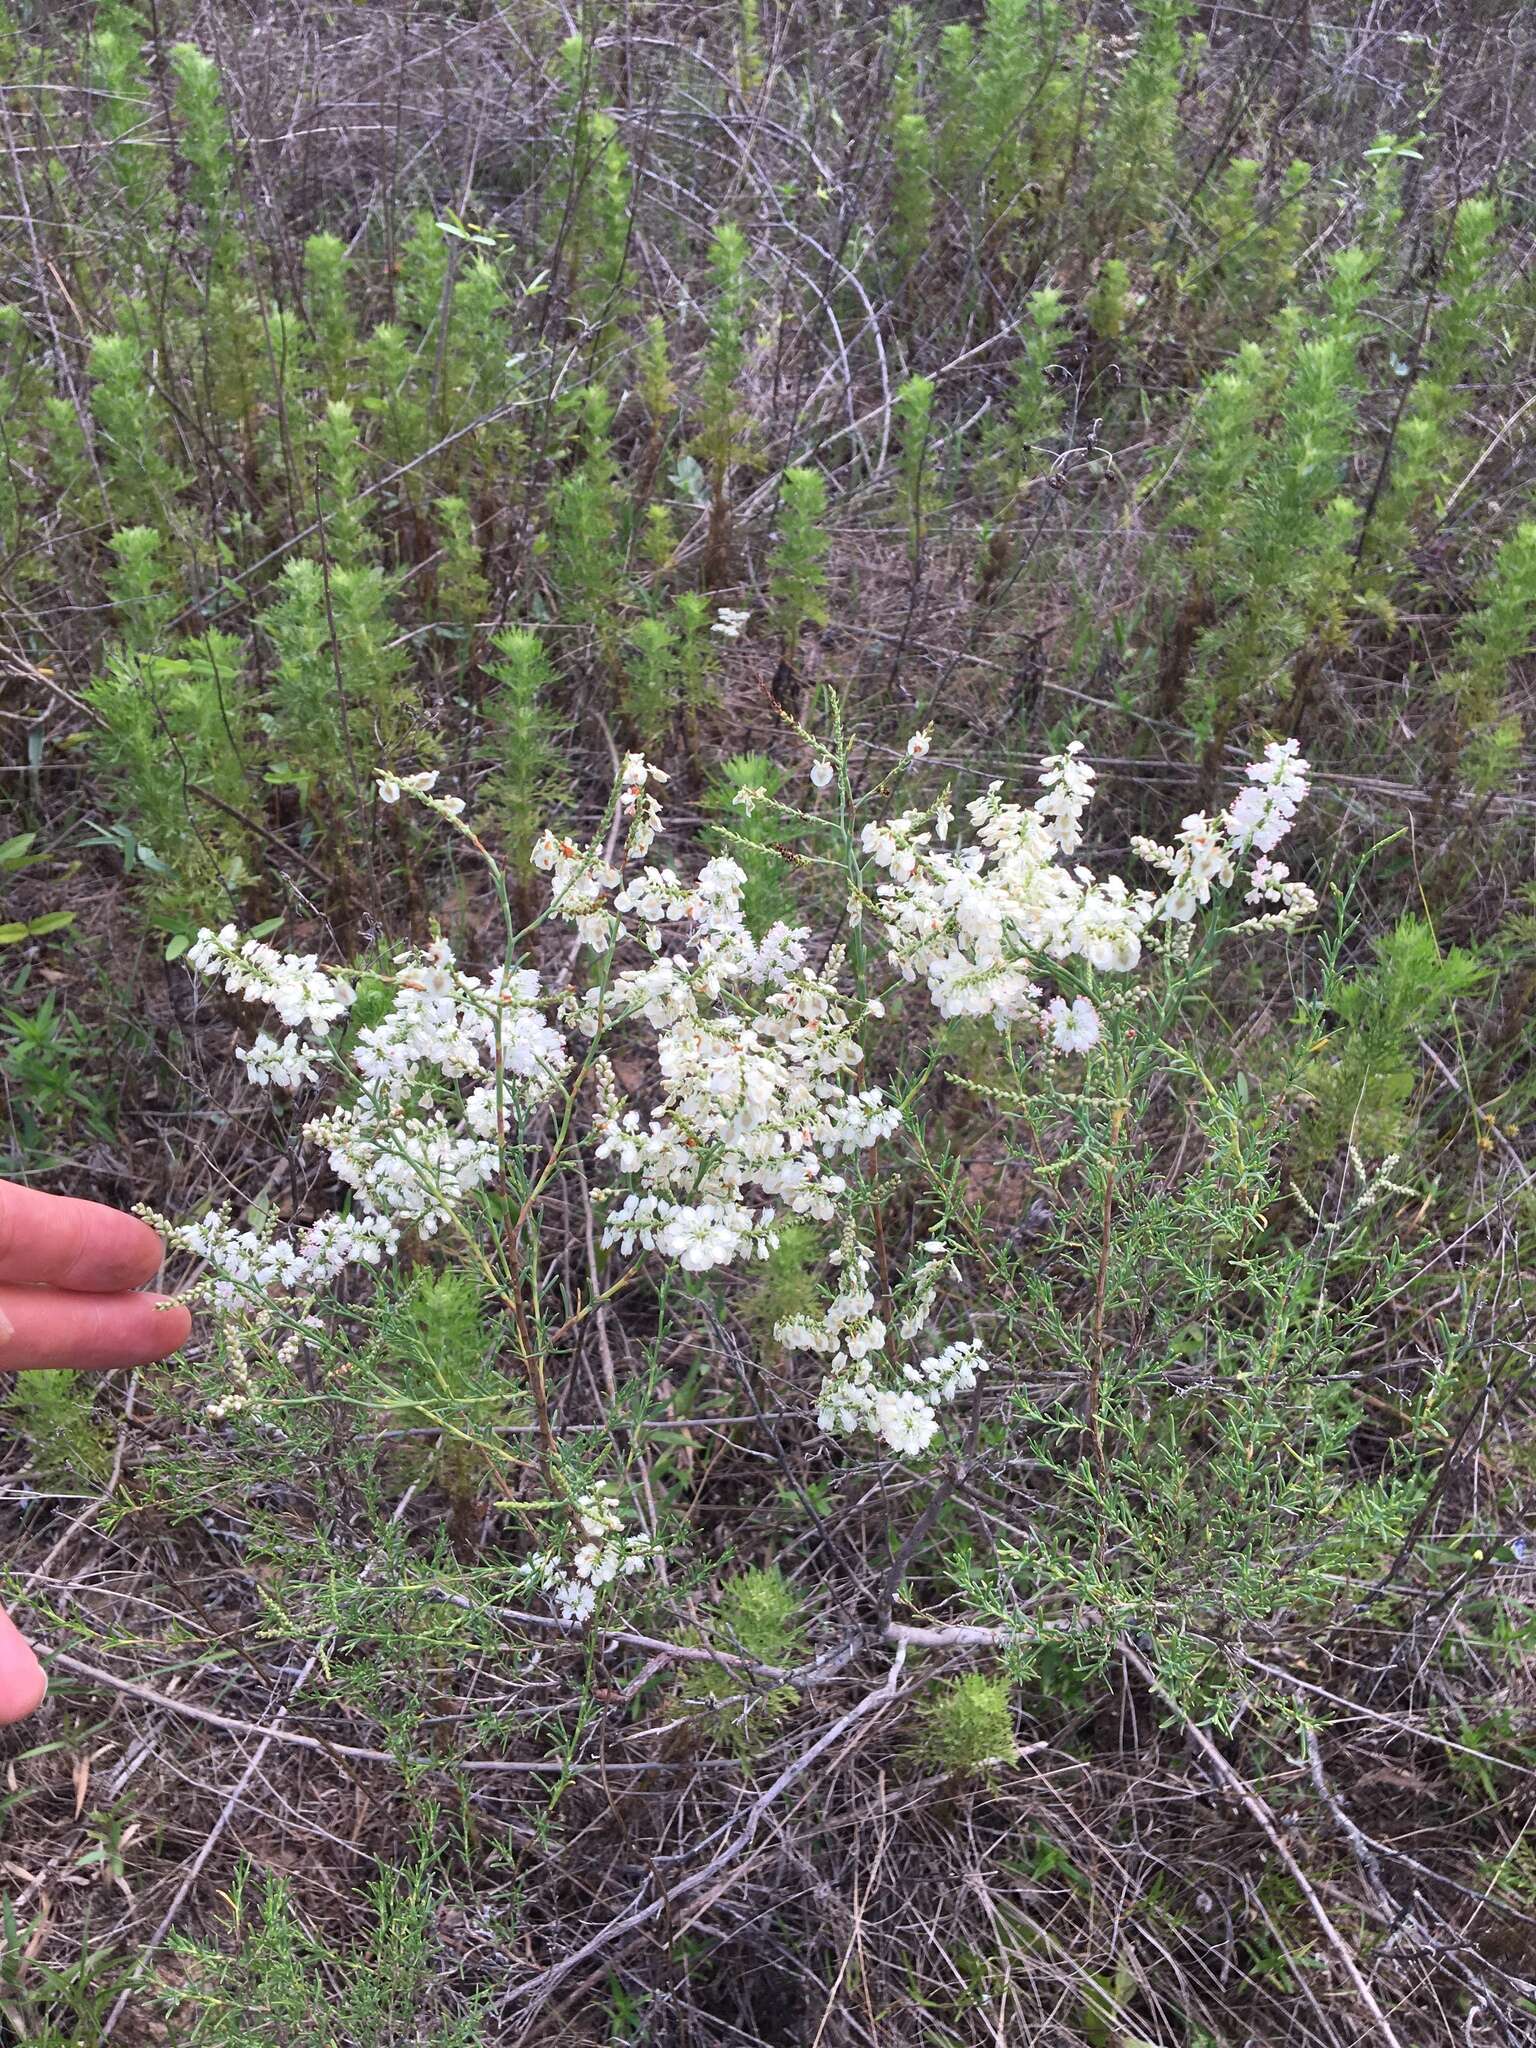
[{"x": 703, "y": 1085}]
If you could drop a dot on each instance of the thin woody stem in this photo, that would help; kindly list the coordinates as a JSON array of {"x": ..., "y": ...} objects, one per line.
[{"x": 1100, "y": 1288}]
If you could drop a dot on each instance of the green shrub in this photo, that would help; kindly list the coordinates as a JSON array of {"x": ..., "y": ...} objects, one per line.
[
  {"x": 721, "y": 438},
  {"x": 1362, "y": 1079},
  {"x": 967, "y": 1725},
  {"x": 528, "y": 779},
  {"x": 797, "y": 576},
  {"x": 748, "y": 836}
]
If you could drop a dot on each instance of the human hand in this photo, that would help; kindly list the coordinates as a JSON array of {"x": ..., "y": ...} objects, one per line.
[{"x": 67, "y": 1271}]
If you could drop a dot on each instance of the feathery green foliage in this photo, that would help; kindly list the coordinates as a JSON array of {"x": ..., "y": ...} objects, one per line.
[
  {"x": 748, "y": 836},
  {"x": 967, "y": 1726},
  {"x": 528, "y": 778},
  {"x": 797, "y": 576}
]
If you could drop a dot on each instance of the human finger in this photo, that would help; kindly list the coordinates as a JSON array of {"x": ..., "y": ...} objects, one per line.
[
  {"x": 22, "y": 1679},
  {"x": 44, "y": 1326},
  {"x": 59, "y": 1241}
]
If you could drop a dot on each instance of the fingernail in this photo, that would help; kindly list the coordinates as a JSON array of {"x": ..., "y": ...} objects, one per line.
[{"x": 7, "y": 1328}]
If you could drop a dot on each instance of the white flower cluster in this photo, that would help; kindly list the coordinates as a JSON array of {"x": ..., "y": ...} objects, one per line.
[
  {"x": 306, "y": 998},
  {"x": 406, "y": 1151},
  {"x": 1261, "y": 815},
  {"x": 862, "y": 1390},
  {"x": 754, "y": 1092},
  {"x": 1288, "y": 902},
  {"x": 921, "y": 1290},
  {"x": 1208, "y": 851},
  {"x": 755, "y": 1056},
  {"x": 581, "y": 880},
  {"x": 603, "y": 1555},
  {"x": 412, "y": 1138},
  {"x": 1074, "y": 1026},
  {"x": 246, "y": 1264},
  {"x": 975, "y": 921},
  {"x": 1067, "y": 780},
  {"x": 286, "y": 1063},
  {"x": 638, "y": 805}
]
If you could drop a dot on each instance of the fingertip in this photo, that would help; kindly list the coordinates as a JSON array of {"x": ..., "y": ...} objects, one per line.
[
  {"x": 135, "y": 1255},
  {"x": 23, "y": 1681},
  {"x": 171, "y": 1323},
  {"x": 46, "y": 1328}
]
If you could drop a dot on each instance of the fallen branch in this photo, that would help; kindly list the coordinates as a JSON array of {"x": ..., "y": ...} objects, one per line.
[{"x": 641, "y": 1916}]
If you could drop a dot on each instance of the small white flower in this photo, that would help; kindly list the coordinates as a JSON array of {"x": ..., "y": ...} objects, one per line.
[
  {"x": 604, "y": 1555},
  {"x": 1076, "y": 1029},
  {"x": 636, "y": 773},
  {"x": 271, "y": 1063},
  {"x": 880, "y": 841},
  {"x": 389, "y": 789},
  {"x": 1068, "y": 784},
  {"x": 919, "y": 744},
  {"x": 575, "y": 1601},
  {"x": 905, "y": 1422},
  {"x": 728, "y": 623},
  {"x": 822, "y": 773}
]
